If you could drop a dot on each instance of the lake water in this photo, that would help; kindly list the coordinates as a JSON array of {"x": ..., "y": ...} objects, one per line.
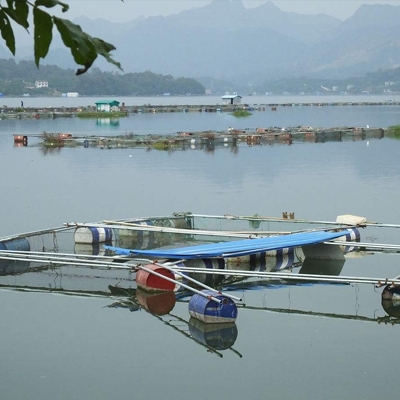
[{"x": 293, "y": 341}]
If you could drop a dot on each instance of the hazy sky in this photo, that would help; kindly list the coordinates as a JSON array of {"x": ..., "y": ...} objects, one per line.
[{"x": 118, "y": 11}]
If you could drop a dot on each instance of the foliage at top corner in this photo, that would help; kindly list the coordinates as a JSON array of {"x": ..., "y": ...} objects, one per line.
[{"x": 84, "y": 48}]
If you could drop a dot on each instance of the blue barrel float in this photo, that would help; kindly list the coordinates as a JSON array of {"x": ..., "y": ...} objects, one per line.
[
  {"x": 92, "y": 234},
  {"x": 18, "y": 244},
  {"x": 352, "y": 235},
  {"x": 12, "y": 267},
  {"x": 209, "y": 311}
]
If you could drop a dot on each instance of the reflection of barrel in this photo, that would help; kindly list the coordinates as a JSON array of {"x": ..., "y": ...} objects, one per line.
[
  {"x": 153, "y": 283},
  {"x": 91, "y": 234},
  {"x": 391, "y": 300},
  {"x": 13, "y": 267},
  {"x": 92, "y": 249},
  {"x": 217, "y": 336},
  {"x": 211, "y": 312},
  {"x": 9, "y": 267},
  {"x": 322, "y": 266},
  {"x": 158, "y": 304}
]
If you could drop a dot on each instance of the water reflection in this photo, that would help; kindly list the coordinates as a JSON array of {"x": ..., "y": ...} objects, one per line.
[
  {"x": 108, "y": 122},
  {"x": 215, "y": 338}
]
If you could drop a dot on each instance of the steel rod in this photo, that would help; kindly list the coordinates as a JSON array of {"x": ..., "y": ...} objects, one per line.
[
  {"x": 180, "y": 284},
  {"x": 275, "y": 219},
  {"x": 63, "y": 261},
  {"x": 305, "y": 277},
  {"x": 175, "y": 271},
  {"x": 366, "y": 245}
]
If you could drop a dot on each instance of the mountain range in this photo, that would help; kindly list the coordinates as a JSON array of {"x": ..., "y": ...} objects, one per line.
[{"x": 225, "y": 40}]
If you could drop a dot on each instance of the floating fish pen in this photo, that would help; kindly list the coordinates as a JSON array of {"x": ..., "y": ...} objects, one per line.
[
  {"x": 188, "y": 253},
  {"x": 206, "y": 140}
]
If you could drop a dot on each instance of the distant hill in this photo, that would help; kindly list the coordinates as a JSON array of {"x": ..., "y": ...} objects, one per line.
[{"x": 225, "y": 41}]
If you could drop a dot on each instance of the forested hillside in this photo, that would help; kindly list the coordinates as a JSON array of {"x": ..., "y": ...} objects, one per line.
[{"x": 17, "y": 79}]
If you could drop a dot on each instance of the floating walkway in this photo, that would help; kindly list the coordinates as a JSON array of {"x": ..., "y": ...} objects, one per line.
[
  {"x": 204, "y": 140},
  {"x": 68, "y": 112}
]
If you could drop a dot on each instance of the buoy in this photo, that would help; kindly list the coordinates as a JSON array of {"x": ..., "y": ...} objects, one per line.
[
  {"x": 154, "y": 283},
  {"x": 158, "y": 304},
  {"x": 209, "y": 311},
  {"x": 91, "y": 234}
]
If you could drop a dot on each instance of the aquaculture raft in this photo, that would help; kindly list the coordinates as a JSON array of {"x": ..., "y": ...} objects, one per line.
[{"x": 191, "y": 252}]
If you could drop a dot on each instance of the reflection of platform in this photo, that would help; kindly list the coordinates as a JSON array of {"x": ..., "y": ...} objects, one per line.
[{"x": 107, "y": 122}]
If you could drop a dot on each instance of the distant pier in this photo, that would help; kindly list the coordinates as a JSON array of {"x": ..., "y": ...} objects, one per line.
[{"x": 70, "y": 112}]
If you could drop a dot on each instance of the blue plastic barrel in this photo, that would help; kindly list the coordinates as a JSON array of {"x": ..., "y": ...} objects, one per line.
[
  {"x": 92, "y": 234},
  {"x": 352, "y": 235},
  {"x": 19, "y": 244},
  {"x": 211, "y": 312}
]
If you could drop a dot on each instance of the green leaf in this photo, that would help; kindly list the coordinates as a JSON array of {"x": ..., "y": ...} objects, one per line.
[
  {"x": 80, "y": 43},
  {"x": 7, "y": 32},
  {"x": 103, "y": 48},
  {"x": 51, "y": 3},
  {"x": 43, "y": 35},
  {"x": 18, "y": 10}
]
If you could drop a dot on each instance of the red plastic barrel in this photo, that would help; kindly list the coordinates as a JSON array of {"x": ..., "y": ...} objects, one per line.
[{"x": 153, "y": 283}]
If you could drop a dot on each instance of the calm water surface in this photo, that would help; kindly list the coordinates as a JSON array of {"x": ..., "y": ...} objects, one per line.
[{"x": 56, "y": 346}]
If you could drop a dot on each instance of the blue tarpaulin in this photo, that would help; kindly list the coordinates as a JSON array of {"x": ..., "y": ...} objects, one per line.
[{"x": 236, "y": 248}]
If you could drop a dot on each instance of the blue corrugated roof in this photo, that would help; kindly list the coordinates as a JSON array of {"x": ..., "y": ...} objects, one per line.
[{"x": 237, "y": 248}]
